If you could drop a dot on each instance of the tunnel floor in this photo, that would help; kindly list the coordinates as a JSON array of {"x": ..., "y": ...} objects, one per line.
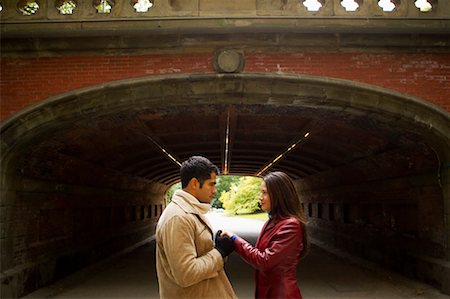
[{"x": 321, "y": 274}]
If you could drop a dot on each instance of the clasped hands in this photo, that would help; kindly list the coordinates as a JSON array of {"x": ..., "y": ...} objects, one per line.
[{"x": 223, "y": 243}]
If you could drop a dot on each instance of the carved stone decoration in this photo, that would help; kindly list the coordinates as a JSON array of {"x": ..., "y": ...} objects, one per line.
[{"x": 229, "y": 61}]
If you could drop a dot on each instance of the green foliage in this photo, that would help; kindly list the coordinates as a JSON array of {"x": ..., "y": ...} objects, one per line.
[
  {"x": 246, "y": 199},
  {"x": 216, "y": 203},
  {"x": 227, "y": 200},
  {"x": 171, "y": 191},
  {"x": 224, "y": 183},
  {"x": 30, "y": 8},
  {"x": 243, "y": 196},
  {"x": 104, "y": 7},
  {"x": 67, "y": 7},
  {"x": 239, "y": 195}
]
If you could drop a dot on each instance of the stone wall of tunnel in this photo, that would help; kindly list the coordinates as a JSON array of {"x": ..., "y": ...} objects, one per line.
[
  {"x": 61, "y": 215},
  {"x": 388, "y": 209}
]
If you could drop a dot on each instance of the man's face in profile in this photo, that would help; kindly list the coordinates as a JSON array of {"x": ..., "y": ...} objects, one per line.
[{"x": 206, "y": 193}]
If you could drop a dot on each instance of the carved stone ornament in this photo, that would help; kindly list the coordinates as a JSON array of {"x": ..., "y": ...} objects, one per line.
[{"x": 229, "y": 61}]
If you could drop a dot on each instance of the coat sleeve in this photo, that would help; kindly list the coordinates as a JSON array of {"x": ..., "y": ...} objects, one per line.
[
  {"x": 185, "y": 266},
  {"x": 284, "y": 241}
]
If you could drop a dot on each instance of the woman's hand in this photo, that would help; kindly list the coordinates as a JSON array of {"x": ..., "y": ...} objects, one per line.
[{"x": 226, "y": 234}]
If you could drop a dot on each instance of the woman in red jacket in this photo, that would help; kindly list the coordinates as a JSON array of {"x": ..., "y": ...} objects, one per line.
[{"x": 282, "y": 240}]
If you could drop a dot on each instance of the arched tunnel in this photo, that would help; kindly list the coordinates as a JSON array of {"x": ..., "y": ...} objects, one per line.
[{"x": 84, "y": 173}]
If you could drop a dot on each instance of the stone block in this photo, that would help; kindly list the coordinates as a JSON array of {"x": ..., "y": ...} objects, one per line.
[
  {"x": 229, "y": 85},
  {"x": 181, "y": 7},
  {"x": 262, "y": 86},
  {"x": 446, "y": 280},
  {"x": 7, "y": 198},
  {"x": 231, "y": 7},
  {"x": 6, "y": 214},
  {"x": 6, "y": 247},
  {"x": 280, "y": 7},
  {"x": 6, "y": 230},
  {"x": 285, "y": 88},
  {"x": 8, "y": 286}
]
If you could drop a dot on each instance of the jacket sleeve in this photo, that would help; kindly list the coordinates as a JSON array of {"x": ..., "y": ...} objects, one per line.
[
  {"x": 179, "y": 246},
  {"x": 285, "y": 240}
]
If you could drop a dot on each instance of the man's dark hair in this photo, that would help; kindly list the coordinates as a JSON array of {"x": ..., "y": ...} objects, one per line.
[{"x": 196, "y": 167}]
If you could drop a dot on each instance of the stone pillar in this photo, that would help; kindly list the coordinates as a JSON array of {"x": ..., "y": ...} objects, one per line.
[{"x": 445, "y": 181}]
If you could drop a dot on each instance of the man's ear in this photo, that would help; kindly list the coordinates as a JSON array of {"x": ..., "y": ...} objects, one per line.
[{"x": 194, "y": 183}]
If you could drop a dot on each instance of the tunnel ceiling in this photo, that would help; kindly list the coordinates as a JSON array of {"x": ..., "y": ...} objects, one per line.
[
  {"x": 135, "y": 136},
  {"x": 133, "y": 142}
]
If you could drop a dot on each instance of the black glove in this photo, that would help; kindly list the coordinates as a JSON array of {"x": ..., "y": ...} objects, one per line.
[{"x": 224, "y": 244}]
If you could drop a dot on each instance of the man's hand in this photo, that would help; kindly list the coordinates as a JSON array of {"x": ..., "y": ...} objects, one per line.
[{"x": 224, "y": 244}]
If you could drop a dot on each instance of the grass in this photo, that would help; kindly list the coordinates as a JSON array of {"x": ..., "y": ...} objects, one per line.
[{"x": 256, "y": 216}]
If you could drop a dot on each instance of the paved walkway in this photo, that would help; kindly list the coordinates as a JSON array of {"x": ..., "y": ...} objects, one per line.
[{"x": 321, "y": 275}]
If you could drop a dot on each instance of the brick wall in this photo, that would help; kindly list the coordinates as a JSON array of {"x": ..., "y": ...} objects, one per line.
[{"x": 26, "y": 81}]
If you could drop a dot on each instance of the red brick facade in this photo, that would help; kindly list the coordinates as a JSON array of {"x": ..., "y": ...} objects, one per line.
[{"x": 26, "y": 81}]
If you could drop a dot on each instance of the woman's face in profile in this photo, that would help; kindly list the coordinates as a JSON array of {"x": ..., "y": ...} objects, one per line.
[{"x": 264, "y": 198}]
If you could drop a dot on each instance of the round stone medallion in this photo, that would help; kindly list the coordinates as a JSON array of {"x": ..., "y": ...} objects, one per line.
[{"x": 229, "y": 61}]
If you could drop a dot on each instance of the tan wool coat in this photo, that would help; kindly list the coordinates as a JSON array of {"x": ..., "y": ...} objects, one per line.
[{"x": 187, "y": 264}]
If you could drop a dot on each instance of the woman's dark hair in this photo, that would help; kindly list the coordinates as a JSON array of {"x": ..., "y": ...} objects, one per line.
[
  {"x": 196, "y": 167},
  {"x": 284, "y": 200}
]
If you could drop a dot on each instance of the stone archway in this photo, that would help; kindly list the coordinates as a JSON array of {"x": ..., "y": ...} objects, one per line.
[{"x": 105, "y": 143}]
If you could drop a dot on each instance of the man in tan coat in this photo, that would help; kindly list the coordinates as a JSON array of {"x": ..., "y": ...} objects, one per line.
[{"x": 188, "y": 262}]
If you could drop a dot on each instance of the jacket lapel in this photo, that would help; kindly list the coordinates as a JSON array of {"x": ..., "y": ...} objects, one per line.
[{"x": 268, "y": 226}]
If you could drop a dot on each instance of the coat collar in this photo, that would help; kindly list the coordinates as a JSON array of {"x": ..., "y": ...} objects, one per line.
[
  {"x": 272, "y": 222},
  {"x": 189, "y": 204},
  {"x": 269, "y": 224}
]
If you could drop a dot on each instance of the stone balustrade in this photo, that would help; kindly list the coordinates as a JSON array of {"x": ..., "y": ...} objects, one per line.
[{"x": 94, "y": 10}]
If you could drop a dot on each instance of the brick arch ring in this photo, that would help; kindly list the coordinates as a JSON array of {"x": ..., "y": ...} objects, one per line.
[{"x": 192, "y": 89}]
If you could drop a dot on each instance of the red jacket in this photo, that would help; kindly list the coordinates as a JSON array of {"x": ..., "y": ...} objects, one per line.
[{"x": 275, "y": 258}]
